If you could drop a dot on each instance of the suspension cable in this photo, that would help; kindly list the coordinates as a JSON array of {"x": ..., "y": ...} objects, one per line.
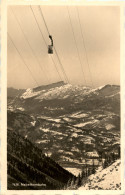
[
  {"x": 62, "y": 68},
  {"x": 45, "y": 42},
  {"x": 84, "y": 47},
  {"x": 76, "y": 46},
  {"x": 29, "y": 44},
  {"x": 23, "y": 60}
]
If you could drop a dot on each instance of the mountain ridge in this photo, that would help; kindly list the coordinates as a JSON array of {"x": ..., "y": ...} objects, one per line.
[
  {"x": 62, "y": 95},
  {"x": 52, "y": 85}
]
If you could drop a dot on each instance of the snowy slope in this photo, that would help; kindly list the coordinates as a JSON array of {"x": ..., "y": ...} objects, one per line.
[
  {"x": 29, "y": 93},
  {"x": 57, "y": 92},
  {"x": 63, "y": 90},
  {"x": 60, "y": 98},
  {"x": 106, "y": 179}
]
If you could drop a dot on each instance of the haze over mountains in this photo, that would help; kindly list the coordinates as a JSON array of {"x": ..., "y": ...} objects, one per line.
[{"x": 71, "y": 124}]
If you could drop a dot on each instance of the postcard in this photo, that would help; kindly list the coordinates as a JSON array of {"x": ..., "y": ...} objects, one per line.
[{"x": 62, "y": 97}]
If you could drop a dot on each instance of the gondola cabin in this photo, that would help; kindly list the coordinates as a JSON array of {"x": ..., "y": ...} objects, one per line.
[{"x": 50, "y": 49}]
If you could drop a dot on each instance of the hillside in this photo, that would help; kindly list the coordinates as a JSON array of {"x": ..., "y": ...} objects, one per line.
[
  {"x": 106, "y": 179},
  {"x": 71, "y": 124},
  {"x": 69, "y": 139},
  {"x": 11, "y": 92},
  {"x": 29, "y": 168}
]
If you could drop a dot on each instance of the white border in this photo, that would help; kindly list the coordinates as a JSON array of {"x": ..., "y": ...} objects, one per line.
[{"x": 4, "y": 4}]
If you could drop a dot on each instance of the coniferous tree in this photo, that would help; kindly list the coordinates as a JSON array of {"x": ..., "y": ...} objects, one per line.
[
  {"x": 89, "y": 171},
  {"x": 109, "y": 160},
  {"x": 93, "y": 168},
  {"x": 105, "y": 164},
  {"x": 86, "y": 169},
  {"x": 78, "y": 180},
  {"x": 119, "y": 152},
  {"x": 73, "y": 181},
  {"x": 83, "y": 174},
  {"x": 113, "y": 156},
  {"x": 68, "y": 183}
]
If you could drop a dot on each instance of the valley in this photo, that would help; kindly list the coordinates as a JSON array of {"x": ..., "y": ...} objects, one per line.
[{"x": 71, "y": 124}]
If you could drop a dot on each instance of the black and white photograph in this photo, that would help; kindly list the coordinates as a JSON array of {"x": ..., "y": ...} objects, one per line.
[{"x": 63, "y": 97}]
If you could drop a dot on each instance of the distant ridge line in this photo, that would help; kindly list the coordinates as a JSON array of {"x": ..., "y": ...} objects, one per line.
[{"x": 48, "y": 86}]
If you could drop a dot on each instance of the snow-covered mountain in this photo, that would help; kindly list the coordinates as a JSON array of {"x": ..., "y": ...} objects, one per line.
[
  {"x": 59, "y": 98},
  {"x": 71, "y": 123},
  {"x": 64, "y": 91}
]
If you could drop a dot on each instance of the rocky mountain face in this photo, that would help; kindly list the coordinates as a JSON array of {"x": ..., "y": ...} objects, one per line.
[{"x": 71, "y": 124}]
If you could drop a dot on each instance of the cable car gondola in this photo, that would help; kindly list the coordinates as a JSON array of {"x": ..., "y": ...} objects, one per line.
[{"x": 50, "y": 47}]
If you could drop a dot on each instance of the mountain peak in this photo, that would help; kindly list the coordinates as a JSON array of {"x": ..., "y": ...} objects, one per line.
[{"x": 49, "y": 86}]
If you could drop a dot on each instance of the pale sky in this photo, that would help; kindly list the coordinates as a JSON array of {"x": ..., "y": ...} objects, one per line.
[{"x": 101, "y": 32}]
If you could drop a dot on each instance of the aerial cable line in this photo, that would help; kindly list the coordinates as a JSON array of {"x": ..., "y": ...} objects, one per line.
[
  {"x": 61, "y": 65},
  {"x": 56, "y": 68},
  {"x": 76, "y": 46},
  {"x": 45, "y": 42},
  {"x": 38, "y": 25},
  {"x": 44, "y": 19},
  {"x": 54, "y": 47},
  {"x": 84, "y": 47},
  {"x": 29, "y": 44},
  {"x": 23, "y": 60}
]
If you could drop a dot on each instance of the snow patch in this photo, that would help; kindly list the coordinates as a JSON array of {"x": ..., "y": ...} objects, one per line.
[
  {"x": 84, "y": 124},
  {"x": 92, "y": 154},
  {"x": 42, "y": 141},
  {"x": 67, "y": 119},
  {"x": 55, "y": 120},
  {"x": 10, "y": 108},
  {"x": 74, "y": 171},
  {"x": 22, "y": 109},
  {"x": 51, "y": 131},
  {"x": 29, "y": 93},
  {"x": 109, "y": 126},
  {"x": 74, "y": 135},
  {"x": 82, "y": 115},
  {"x": 33, "y": 123}
]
